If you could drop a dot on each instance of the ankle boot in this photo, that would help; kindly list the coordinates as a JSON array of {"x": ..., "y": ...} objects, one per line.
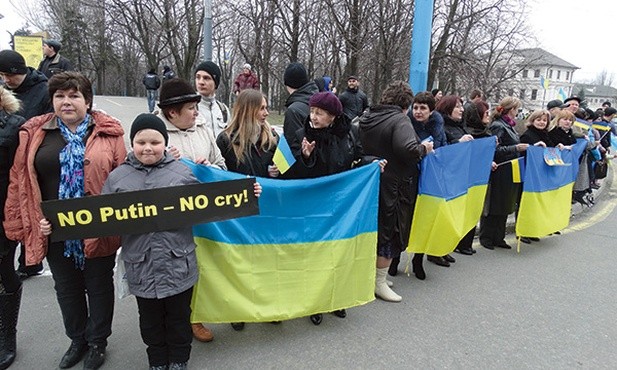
[
  {"x": 382, "y": 290},
  {"x": 393, "y": 270},
  {"x": 9, "y": 311},
  {"x": 416, "y": 263}
]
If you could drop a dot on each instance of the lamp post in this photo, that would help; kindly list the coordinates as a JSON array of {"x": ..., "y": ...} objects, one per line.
[{"x": 207, "y": 30}]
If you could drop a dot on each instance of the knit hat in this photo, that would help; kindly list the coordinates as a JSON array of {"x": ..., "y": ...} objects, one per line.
[
  {"x": 148, "y": 121},
  {"x": 177, "y": 91},
  {"x": 11, "y": 62},
  {"x": 328, "y": 102},
  {"x": 295, "y": 75},
  {"x": 54, "y": 44},
  {"x": 211, "y": 69},
  {"x": 247, "y": 66}
]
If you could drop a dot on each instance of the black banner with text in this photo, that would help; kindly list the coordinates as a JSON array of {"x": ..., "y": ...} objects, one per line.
[{"x": 143, "y": 211}]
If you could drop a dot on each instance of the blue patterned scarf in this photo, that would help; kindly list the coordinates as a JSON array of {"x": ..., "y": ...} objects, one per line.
[{"x": 72, "y": 179}]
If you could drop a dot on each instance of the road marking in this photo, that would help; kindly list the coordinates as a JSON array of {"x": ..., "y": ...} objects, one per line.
[{"x": 113, "y": 102}]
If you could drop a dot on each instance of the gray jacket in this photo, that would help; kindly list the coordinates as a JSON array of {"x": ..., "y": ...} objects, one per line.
[{"x": 163, "y": 263}]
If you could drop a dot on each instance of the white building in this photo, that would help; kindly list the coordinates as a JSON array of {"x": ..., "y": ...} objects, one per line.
[{"x": 595, "y": 95}]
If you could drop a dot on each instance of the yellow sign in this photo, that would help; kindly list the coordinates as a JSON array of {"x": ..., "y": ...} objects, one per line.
[{"x": 31, "y": 48}]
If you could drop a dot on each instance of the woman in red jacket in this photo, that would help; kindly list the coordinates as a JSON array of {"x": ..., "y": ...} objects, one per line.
[{"x": 62, "y": 155}]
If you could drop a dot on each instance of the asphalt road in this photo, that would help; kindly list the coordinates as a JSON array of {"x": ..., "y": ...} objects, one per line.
[{"x": 553, "y": 306}]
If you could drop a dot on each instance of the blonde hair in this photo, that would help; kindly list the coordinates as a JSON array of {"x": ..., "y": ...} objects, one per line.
[
  {"x": 8, "y": 102},
  {"x": 538, "y": 114},
  {"x": 506, "y": 105},
  {"x": 244, "y": 123},
  {"x": 563, "y": 114}
]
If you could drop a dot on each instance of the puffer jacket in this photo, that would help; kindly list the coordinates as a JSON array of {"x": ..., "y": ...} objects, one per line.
[
  {"x": 163, "y": 263},
  {"x": 105, "y": 151}
]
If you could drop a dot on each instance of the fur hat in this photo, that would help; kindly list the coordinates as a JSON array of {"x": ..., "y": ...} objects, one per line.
[
  {"x": 177, "y": 91},
  {"x": 11, "y": 62},
  {"x": 148, "y": 121},
  {"x": 295, "y": 75},
  {"x": 211, "y": 69},
  {"x": 54, "y": 44},
  {"x": 328, "y": 102}
]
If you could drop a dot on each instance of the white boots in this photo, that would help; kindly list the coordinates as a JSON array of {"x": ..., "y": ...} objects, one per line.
[{"x": 382, "y": 290}]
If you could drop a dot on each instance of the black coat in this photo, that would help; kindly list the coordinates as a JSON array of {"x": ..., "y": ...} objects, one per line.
[
  {"x": 354, "y": 102},
  {"x": 53, "y": 65},
  {"x": 9, "y": 138},
  {"x": 297, "y": 110},
  {"x": 559, "y": 136},
  {"x": 255, "y": 164},
  {"x": 337, "y": 149},
  {"x": 533, "y": 135},
  {"x": 387, "y": 133},
  {"x": 502, "y": 193},
  {"x": 508, "y": 139},
  {"x": 454, "y": 130},
  {"x": 34, "y": 95}
]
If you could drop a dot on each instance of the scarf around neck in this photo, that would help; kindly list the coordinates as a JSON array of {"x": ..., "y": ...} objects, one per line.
[{"x": 72, "y": 179}]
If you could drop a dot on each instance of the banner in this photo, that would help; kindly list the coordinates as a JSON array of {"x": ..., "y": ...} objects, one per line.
[
  {"x": 137, "y": 212},
  {"x": 312, "y": 249},
  {"x": 451, "y": 191},
  {"x": 31, "y": 48},
  {"x": 546, "y": 202}
]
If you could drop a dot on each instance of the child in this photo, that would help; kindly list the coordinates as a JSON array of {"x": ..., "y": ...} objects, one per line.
[{"x": 161, "y": 267}]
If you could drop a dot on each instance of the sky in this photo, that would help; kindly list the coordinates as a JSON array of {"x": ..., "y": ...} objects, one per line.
[{"x": 578, "y": 31}]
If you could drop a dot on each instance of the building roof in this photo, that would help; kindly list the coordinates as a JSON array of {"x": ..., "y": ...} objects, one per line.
[
  {"x": 541, "y": 57},
  {"x": 596, "y": 90}
]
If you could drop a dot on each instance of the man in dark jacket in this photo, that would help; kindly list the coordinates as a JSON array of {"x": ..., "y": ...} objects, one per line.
[
  {"x": 300, "y": 89},
  {"x": 53, "y": 62},
  {"x": 353, "y": 99},
  {"x": 152, "y": 82},
  {"x": 29, "y": 86}
]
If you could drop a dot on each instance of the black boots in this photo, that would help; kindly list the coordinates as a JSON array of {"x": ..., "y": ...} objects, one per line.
[
  {"x": 9, "y": 310},
  {"x": 393, "y": 270},
  {"x": 416, "y": 263}
]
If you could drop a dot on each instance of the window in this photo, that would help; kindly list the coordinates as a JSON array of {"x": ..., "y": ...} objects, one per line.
[
  {"x": 521, "y": 94},
  {"x": 567, "y": 75},
  {"x": 536, "y": 73},
  {"x": 558, "y": 74},
  {"x": 534, "y": 94},
  {"x": 550, "y": 73},
  {"x": 525, "y": 73}
]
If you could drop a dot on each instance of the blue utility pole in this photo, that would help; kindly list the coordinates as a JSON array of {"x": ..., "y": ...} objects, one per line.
[
  {"x": 207, "y": 30},
  {"x": 420, "y": 45}
]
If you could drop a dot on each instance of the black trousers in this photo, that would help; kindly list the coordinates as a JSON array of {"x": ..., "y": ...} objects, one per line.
[
  {"x": 467, "y": 241},
  {"x": 165, "y": 326},
  {"x": 9, "y": 282},
  {"x": 493, "y": 229},
  {"x": 86, "y": 297},
  {"x": 21, "y": 260}
]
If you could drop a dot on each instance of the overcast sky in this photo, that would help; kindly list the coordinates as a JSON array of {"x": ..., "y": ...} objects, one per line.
[{"x": 579, "y": 31}]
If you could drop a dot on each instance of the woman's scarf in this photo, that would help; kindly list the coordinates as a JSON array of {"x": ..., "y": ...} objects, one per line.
[
  {"x": 507, "y": 119},
  {"x": 72, "y": 179}
]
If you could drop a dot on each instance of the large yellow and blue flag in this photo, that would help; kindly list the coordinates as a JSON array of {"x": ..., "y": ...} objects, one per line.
[
  {"x": 547, "y": 192},
  {"x": 312, "y": 249},
  {"x": 451, "y": 191}
]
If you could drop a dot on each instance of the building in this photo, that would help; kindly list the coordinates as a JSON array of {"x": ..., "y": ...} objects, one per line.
[
  {"x": 543, "y": 77},
  {"x": 595, "y": 95}
]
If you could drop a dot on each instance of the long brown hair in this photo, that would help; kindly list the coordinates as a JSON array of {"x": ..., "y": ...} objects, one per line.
[
  {"x": 506, "y": 105},
  {"x": 244, "y": 122}
]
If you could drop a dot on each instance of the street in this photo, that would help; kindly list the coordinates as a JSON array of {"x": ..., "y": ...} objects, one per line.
[{"x": 552, "y": 306}]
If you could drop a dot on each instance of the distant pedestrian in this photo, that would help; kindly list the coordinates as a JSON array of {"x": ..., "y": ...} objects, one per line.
[
  {"x": 437, "y": 94},
  {"x": 152, "y": 82},
  {"x": 168, "y": 73},
  {"x": 246, "y": 80},
  {"x": 53, "y": 62},
  {"x": 353, "y": 99}
]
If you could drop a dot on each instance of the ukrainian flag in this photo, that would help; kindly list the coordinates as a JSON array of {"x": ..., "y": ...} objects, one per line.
[
  {"x": 312, "y": 249},
  {"x": 452, "y": 187},
  {"x": 283, "y": 157},
  {"x": 546, "y": 202}
]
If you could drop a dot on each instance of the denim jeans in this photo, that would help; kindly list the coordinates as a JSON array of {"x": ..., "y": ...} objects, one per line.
[{"x": 152, "y": 96}]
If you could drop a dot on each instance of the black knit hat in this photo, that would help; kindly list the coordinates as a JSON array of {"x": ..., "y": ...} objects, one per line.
[
  {"x": 54, "y": 44},
  {"x": 212, "y": 69},
  {"x": 176, "y": 91},
  {"x": 295, "y": 75},
  {"x": 148, "y": 121},
  {"x": 11, "y": 62}
]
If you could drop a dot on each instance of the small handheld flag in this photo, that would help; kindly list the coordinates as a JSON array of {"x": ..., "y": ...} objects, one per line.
[{"x": 283, "y": 158}]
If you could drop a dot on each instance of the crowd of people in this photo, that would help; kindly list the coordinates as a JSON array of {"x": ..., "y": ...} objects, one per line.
[{"x": 55, "y": 146}]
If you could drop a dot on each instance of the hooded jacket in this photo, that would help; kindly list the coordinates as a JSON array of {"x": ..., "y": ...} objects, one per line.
[
  {"x": 105, "y": 151},
  {"x": 163, "y": 263},
  {"x": 297, "y": 110},
  {"x": 34, "y": 95}
]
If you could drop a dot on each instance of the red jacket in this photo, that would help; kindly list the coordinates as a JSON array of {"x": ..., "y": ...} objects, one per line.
[
  {"x": 105, "y": 151},
  {"x": 244, "y": 82}
]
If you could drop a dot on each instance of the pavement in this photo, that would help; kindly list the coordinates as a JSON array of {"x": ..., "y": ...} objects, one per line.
[{"x": 551, "y": 306}]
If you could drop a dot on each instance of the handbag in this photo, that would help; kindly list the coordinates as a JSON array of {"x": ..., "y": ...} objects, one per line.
[
  {"x": 600, "y": 169},
  {"x": 120, "y": 282}
]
